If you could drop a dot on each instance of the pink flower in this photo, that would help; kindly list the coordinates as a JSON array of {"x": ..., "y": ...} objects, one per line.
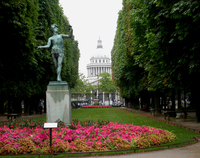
[
  {"x": 90, "y": 135},
  {"x": 16, "y": 146}
]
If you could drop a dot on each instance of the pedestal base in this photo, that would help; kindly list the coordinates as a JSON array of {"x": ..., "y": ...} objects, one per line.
[
  {"x": 58, "y": 102},
  {"x": 96, "y": 101}
]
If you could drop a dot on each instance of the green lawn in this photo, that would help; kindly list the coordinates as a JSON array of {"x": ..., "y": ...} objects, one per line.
[{"x": 126, "y": 117}]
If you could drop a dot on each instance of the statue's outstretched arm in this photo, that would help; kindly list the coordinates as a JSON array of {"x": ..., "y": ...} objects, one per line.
[
  {"x": 70, "y": 35},
  {"x": 47, "y": 46}
]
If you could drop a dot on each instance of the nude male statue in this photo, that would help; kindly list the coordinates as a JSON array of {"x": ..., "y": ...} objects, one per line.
[{"x": 57, "y": 50}]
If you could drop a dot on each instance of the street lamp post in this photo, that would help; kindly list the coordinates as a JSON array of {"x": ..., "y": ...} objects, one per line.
[
  {"x": 98, "y": 87},
  {"x": 96, "y": 100}
]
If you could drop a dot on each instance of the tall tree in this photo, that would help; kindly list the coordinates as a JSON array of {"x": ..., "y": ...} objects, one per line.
[
  {"x": 25, "y": 71},
  {"x": 18, "y": 63},
  {"x": 160, "y": 38},
  {"x": 105, "y": 83}
]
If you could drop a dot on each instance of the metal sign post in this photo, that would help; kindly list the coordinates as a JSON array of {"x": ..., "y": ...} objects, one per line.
[{"x": 50, "y": 126}]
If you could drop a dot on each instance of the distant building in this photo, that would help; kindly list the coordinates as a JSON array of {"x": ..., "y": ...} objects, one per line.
[{"x": 98, "y": 63}]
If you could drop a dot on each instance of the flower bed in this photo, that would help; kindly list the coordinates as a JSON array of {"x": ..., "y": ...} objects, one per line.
[
  {"x": 96, "y": 106},
  {"x": 80, "y": 137}
]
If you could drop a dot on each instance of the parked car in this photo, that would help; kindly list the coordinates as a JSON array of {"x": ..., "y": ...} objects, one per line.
[{"x": 117, "y": 105}]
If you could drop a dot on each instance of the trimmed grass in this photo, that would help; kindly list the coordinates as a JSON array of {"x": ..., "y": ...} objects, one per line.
[{"x": 123, "y": 116}]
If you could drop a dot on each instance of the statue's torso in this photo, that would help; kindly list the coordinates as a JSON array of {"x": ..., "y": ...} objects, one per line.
[{"x": 57, "y": 43}]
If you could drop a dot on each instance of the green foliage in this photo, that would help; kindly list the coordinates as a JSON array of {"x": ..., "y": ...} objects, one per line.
[
  {"x": 82, "y": 87},
  {"x": 13, "y": 124},
  {"x": 17, "y": 65},
  {"x": 24, "y": 71},
  {"x": 105, "y": 83},
  {"x": 51, "y": 12},
  {"x": 155, "y": 46},
  {"x": 126, "y": 74}
]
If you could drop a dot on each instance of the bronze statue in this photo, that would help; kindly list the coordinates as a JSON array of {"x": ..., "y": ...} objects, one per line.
[{"x": 57, "y": 50}]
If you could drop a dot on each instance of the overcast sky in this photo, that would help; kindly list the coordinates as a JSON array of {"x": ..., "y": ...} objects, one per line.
[{"x": 91, "y": 19}]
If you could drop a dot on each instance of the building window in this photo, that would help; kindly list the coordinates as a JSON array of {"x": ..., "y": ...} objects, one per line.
[
  {"x": 103, "y": 61},
  {"x": 96, "y": 61},
  {"x": 99, "y": 61}
]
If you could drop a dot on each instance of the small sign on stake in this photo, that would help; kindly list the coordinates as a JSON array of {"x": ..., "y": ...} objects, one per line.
[{"x": 50, "y": 126}]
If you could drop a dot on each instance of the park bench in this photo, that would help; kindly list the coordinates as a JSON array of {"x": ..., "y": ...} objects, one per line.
[
  {"x": 167, "y": 114},
  {"x": 153, "y": 111},
  {"x": 11, "y": 116}
]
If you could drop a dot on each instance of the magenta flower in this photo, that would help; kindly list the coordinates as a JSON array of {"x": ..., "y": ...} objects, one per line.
[{"x": 87, "y": 138}]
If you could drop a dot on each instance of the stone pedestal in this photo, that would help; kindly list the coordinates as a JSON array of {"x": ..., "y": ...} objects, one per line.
[
  {"x": 96, "y": 101},
  {"x": 58, "y": 102}
]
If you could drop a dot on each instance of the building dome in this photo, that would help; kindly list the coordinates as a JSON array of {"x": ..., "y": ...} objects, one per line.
[
  {"x": 98, "y": 63},
  {"x": 99, "y": 44},
  {"x": 99, "y": 52}
]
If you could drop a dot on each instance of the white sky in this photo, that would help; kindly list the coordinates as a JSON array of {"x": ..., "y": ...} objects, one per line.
[{"x": 91, "y": 19}]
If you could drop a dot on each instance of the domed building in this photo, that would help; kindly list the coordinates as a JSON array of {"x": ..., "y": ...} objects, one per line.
[{"x": 98, "y": 63}]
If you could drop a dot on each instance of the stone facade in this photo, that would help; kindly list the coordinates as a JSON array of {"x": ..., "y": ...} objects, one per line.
[{"x": 99, "y": 63}]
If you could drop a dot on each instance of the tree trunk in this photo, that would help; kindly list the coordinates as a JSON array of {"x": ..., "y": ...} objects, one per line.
[
  {"x": 157, "y": 102},
  {"x": 185, "y": 111},
  {"x": 145, "y": 100},
  {"x": 2, "y": 109},
  {"x": 148, "y": 102},
  {"x": 152, "y": 101},
  {"x": 164, "y": 101},
  {"x": 16, "y": 104},
  {"x": 135, "y": 103},
  {"x": 26, "y": 106},
  {"x": 126, "y": 102},
  {"x": 10, "y": 106},
  {"x": 179, "y": 99},
  {"x": 192, "y": 101},
  {"x": 173, "y": 102},
  {"x": 142, "y": 100},
  {"x": 195, "y": 94},
  {"x": 141, "y": 103}
]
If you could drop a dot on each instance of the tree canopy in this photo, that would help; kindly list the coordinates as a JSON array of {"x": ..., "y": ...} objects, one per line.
[
  {"x": 105, "y": 83},
  {"x": 25, "y": 71},
  {"x": 82, "y": 85},
  {"x": 156, "y": 46}
]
